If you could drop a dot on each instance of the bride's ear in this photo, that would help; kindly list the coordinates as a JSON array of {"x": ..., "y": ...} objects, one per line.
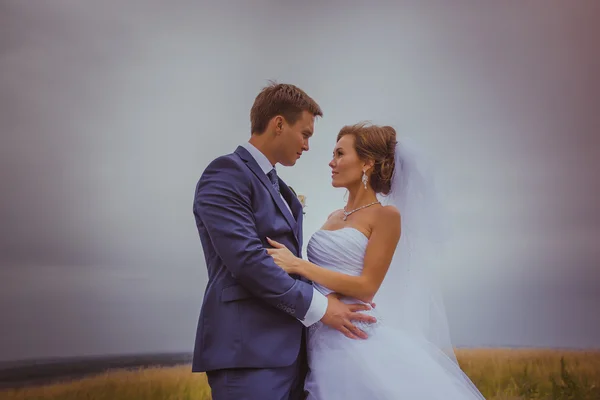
[{"x": 368, "y": 165}]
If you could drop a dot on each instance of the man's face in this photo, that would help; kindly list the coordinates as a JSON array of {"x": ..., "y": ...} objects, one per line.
[{"x": 294, "y": 139}]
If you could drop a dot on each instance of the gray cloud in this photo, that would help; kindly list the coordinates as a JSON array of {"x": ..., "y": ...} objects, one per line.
[{"x": 110, "y": 111}]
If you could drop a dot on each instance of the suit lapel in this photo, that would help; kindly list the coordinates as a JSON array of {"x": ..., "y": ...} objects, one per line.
[
  {"x": 255, "y": 168},
  {"x": 292, "y": 199},
  {"x": 295, "y": 206},
  {"x": 299, "y": 209}
]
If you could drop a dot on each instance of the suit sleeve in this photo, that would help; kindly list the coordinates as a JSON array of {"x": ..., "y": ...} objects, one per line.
[{"x": 222, "y": 202}]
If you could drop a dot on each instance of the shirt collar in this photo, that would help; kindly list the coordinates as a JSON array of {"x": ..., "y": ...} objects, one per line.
[{"x": 262, "y": 160}]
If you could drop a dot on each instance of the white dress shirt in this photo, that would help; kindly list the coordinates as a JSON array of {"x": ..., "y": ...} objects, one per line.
[{"x": 318, "y": 305}]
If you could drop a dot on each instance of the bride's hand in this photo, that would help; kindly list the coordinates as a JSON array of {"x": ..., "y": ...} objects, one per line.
[{"x": 283, "y": 256}]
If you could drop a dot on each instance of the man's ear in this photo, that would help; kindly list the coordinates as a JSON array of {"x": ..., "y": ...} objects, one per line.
[{"x": 278, "y": 124}]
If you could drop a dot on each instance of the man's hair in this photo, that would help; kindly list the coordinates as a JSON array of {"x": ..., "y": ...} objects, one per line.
[{"x": 282, "y": 99}]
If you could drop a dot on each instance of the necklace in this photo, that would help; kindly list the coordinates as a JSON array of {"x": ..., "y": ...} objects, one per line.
[{"x": 347, "y": 213}]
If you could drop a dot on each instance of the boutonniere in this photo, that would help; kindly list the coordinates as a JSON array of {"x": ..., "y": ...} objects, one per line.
[{"x": 301, "y": 199}]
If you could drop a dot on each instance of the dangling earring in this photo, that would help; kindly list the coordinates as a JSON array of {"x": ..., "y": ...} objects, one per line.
[{"x": 365, "y": 179}]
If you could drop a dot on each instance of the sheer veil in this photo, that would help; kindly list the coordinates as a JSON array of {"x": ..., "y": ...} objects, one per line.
[{"x": 410, "y": 297}]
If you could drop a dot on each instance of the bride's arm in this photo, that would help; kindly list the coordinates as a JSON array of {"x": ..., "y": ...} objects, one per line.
[
  {"x": 380, "y": 250},
  {"x": 352, "y": 286}
]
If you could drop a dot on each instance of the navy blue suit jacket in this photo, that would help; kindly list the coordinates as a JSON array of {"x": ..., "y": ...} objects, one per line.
[{"x": 251, "y": 307}]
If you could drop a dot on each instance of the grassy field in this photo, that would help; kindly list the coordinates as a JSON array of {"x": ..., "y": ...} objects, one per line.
[{"x": 500, "y": 374}]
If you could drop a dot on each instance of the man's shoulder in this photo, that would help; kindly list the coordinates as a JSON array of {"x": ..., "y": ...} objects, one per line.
[
  {"x": 225, "y": 162},
  {"x": 228, "y": 169}
]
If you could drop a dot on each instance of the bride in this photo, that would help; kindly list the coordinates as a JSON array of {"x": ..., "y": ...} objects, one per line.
[{"x": 380, "y": 247}]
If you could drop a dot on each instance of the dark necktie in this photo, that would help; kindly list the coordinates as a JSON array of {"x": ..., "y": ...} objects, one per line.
[{"x": 272, "y": 175}]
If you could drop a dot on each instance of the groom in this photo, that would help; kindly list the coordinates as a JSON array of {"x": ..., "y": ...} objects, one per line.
[{"x": 250, "y": 339}]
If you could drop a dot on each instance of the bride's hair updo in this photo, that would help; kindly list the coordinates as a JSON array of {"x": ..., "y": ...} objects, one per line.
[{"x": 377, "y": 143}]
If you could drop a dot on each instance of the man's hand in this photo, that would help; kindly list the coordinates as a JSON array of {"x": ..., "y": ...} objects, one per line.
[{"x": 340, "y": 315}]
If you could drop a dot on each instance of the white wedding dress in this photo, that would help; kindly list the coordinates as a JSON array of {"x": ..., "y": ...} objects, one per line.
[{"x": 391, "y": 364}]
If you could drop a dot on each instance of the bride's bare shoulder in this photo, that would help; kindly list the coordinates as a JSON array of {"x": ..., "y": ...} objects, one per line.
[
  {"x": 334, "y": 220},
  {"x": 387, "y": 216},
  {"x": 389, "y": 210},
  {"x": 335, "y": 214}
]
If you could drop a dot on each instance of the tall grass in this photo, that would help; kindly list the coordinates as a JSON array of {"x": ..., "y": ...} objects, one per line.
[
  {"x": 168, "y": 383},
  {"x": 506, "y": 374},
  {"x": 500, "y": 374}
]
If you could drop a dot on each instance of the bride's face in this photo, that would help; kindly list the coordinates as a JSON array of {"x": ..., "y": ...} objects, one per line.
[{"x": 346, "y": 167}]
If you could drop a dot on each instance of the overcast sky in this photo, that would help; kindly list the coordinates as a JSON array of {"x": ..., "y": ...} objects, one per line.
[{"x": 109, "y": 111}]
